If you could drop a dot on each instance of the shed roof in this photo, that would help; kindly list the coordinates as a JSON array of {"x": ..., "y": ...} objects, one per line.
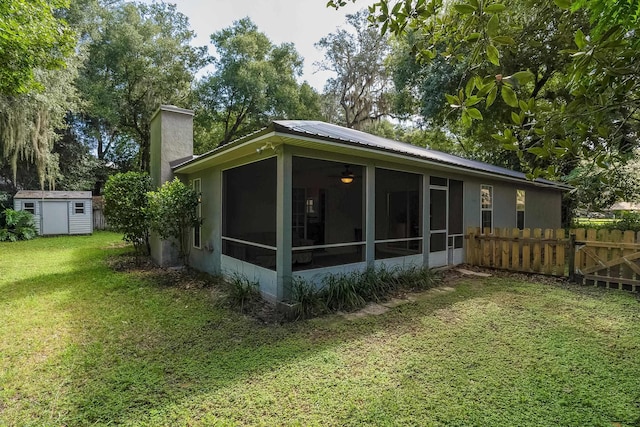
[
  {"x": 38, "y": 194},
  {"x": 322, "y": 131}
]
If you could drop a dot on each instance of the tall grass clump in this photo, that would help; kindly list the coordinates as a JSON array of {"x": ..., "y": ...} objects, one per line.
[
  {"x": 342, "y": 292},
  {"x": 419, "y": 278},
  {"x": 242, "y": 291},
  {"x": 376, "y": 284},
  {"x": 350, "y": 291},
  {"x": 306, "y": 298}
]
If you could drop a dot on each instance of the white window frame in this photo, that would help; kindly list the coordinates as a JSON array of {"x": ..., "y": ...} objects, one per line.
[
  {"x": 482, "y": 206},
  {"x": 523, "y": 210},
  {"x": 196, "y": 184},
  {"x": 79, "y": 205},
  {"x": 31, "y": 210}
]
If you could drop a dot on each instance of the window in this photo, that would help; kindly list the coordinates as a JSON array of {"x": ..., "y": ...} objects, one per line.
[
  {"x": 486, "y": 206},
  {"x": 520, "y": 198},
  {"x": 197, "y": 230},
  {"x": 29, "y": 207},
  {"x": 78, "y": 208}
]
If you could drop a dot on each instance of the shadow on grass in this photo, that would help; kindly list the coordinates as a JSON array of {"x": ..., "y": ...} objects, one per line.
[{"x": 135, "y": 347}]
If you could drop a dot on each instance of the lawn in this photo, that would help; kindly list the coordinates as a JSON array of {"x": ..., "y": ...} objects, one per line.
[{"x": 83, "y": 344}]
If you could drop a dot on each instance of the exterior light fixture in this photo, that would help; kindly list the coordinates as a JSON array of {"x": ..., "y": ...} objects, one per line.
[{"x": 347, "y": 176}]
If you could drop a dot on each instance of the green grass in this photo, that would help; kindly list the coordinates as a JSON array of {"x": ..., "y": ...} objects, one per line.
[{"x": 81, "y": 344}]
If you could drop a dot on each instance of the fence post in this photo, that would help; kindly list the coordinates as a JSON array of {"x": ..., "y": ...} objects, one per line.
[{"x": 572, "y": 257}]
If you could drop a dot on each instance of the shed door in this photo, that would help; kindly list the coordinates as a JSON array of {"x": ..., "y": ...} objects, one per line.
[{"x": 55, "y": 218}]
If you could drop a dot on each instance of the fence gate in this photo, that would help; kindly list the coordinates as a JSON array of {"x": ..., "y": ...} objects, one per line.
[{"x": 608, "y": 258}]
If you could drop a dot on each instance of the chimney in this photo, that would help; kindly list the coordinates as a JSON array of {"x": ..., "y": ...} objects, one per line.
[{"x": 171, "y": 140}]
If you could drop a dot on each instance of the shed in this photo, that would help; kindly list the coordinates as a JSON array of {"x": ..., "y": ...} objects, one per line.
[
  {"x": 303, "y": 199},
  {"x": 57, "y": 212}
]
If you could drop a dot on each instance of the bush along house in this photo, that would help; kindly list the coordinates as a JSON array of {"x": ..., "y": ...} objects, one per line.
[{"x": 308, "y": 198}]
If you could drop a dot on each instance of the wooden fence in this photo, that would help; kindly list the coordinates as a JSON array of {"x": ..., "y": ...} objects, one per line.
[
  {"x": 609, "y": 258},
  {"x": 601, "y": 257},
  {"x": 531, "y": 251},
  {"x": 99, "y": 220}
]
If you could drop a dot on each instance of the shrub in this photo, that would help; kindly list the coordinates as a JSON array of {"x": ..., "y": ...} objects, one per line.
[
  {"x": 16, "y": 225},
  {"x": 125, "y": 207},
  {"x": 242, "y": 291},
  {"x": 172, "y": 210},
  {"x": 5, "y": 200},
  {"x": 629, "y": 221}
]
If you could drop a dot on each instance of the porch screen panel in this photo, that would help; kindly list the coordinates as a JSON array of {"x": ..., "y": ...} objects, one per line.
[
  {"x": 398, "y": 214},
  {"x": 456, "y": 226},
  {"x": 327, "y": 213},
  {"x": 249, "y": 212},
  {"x": 438, "y": 220}
]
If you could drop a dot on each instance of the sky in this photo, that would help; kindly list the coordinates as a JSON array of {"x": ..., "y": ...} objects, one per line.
[{"x": 302, "y": 22}]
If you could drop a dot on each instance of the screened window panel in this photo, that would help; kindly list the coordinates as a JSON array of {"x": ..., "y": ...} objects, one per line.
[
  {"x": 438, "y": 242},
  {"x": 438, "y": 202},
  {"x": 249, "y": 202},
  {"x": 398, "y": 204},
  {"x": 324, "y": 209},
  {"x": 455, "y": 207},
  {"x": 435, "y": 180}
]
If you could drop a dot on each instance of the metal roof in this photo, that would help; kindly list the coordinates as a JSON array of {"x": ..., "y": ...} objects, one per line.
[
  {"x": 339, "y": 133},
  {"x": 37, "y": 194},
  {"x": 322, "y": 131}
]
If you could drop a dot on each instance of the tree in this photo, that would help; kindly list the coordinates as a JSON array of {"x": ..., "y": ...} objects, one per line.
[
  {"x": 139, "y": 56},
  {"x": 28, "y": 124},
  {"x": 361, "y": 85},
  {"x": 36, "y": 88},
  {"x": 589, "y": 108},
  {"x": 172, "y": 209},
  {"x": 254, "y": 82},
  {"x": 125, "y": 207},
  {"x": 597, "y": 114},
  {"x": 32, "y": 37}
]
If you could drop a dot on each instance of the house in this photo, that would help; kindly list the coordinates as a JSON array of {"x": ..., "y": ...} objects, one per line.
[
  {"x": 307, "y": 198},
  {"x": 620, "y": 208},
  {"x": 57, "y": 212}
]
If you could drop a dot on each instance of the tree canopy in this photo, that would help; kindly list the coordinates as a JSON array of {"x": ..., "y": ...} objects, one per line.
[
  {"x": 139, "y": 56},
  {"x": 32, "y": 37},
  {"x": 555, "y": 83},
  {"x": 254, "y": 82},
  {"x": 361, "y": 86}
]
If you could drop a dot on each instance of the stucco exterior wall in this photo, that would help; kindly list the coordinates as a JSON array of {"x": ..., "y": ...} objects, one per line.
[
  {"x": 171, "y": 140},
  {"x": 542, "y": 205},
  {"x": 207, "y": 257}
]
